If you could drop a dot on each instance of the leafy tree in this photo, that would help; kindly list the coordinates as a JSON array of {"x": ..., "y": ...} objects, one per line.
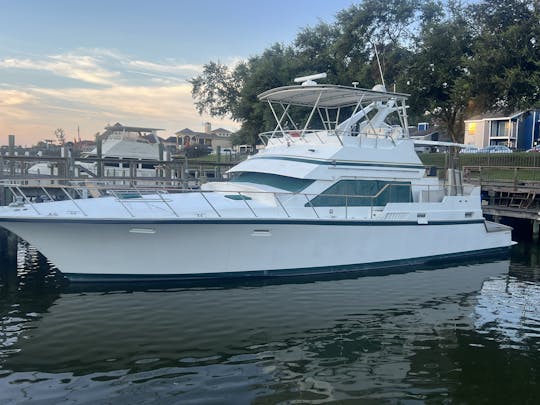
[
  {"x": 505, "y": 63},
  {"x": 217, "y": 89},
  {"x": 438, "y": 77},
  {"x": 316, "y": 51},
  {"x": 197, "y": 150}
]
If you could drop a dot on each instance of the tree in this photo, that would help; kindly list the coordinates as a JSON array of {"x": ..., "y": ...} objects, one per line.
[
  {"x": 197, "y": 150},
  {"x": 217, "y": 89},
  {"x": 438, "y": 77},
  {"x": 505, "y": 62},
  {"x": 222, "y": 91},
  {"x": 315, "y": 48}
]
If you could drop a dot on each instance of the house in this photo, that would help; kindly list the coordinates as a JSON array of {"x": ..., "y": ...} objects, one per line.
[
  {"x": 219, "y": 137},
  {"x": 520, "y": 130}
]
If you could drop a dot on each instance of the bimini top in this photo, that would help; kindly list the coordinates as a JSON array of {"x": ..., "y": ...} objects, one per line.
[{"x": 331, "y": 96}]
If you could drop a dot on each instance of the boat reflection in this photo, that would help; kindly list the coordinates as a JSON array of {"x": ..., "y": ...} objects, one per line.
[
  {"x": 272, "y": 335},
  {"x": 89, "y": 328},
  {"x": 507, "y": 311}
]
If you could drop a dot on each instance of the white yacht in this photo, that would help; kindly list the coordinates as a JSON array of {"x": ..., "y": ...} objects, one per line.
[
  {"x": 138, "y": 146},
  {"x": 342, "y": 191}
]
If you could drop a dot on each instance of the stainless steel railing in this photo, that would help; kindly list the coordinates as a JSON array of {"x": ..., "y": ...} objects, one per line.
[
  {"x": 310, "y": 135},
  {"x": 256, "y": 203}
]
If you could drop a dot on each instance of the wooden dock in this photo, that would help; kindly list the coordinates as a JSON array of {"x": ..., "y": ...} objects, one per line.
[
  {"x": 512, "y": 192},
  {"x": 517, "y": 201},
  {"x": 176, "y": 173},
  {"x": 509, "y": 194}
]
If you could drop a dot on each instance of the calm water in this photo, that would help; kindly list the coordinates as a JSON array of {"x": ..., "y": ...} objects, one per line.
[{"x": 466, "y": 333}]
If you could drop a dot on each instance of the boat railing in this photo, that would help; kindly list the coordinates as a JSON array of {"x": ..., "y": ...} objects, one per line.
[
  {"x": 324, "y": 136},
  {"x": 292, "y": 136},
  {"x": 255, "y": 204}
]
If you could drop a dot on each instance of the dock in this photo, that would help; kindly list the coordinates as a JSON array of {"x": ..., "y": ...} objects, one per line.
[
  {"x": 176, "y": 172},
  {"x": 509, "y": 194}
]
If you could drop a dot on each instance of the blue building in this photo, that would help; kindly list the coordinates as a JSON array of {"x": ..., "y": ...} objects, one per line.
[{"x": 531, "y": 125}]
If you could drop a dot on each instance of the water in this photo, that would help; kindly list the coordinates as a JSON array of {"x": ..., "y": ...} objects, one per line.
[{"x": 467, "y": 333}]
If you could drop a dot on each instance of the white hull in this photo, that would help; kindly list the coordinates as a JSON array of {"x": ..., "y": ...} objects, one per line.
[{"x": 212, "y": 248}]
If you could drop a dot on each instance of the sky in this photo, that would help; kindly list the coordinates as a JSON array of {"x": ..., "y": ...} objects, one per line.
[{"x": 86, "y": 64}]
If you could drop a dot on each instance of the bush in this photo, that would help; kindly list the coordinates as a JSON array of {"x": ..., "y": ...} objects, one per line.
[{"x": 194, "y": 151}]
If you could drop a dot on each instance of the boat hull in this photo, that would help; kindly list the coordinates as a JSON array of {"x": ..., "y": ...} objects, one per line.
[{"x": 153, "y": 250}]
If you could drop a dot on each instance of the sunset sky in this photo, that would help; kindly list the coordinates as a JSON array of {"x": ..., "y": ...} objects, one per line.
[{"x": 65, "y": 64}]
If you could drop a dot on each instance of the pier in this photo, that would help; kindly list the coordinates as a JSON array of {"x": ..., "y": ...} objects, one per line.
[
  {"x": 177, "y": 172},
  {"x": 509, "y": 194}
]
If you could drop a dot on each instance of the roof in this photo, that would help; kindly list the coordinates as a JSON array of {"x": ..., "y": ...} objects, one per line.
[
  {"x": 120, "y": 127},
  {"x": 326, "y": 95},
  {"x": 221, "y": 130},
  {"x": 128, "y": 149},
  {"x": 495, "y": 115},
  {"x": 185, "y": 131},
  {"x": 414, "y": 132}
]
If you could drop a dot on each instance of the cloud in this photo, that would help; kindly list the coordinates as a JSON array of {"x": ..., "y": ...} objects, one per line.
[
  {"x": 103, "y": 67},
  {"x": 100, "y": 66},
  {"x": 79, "y": 67},
  {"x": 155, "y": 101},
  {"x": 159, "y": 78},
  {"x": 165, "y": 106},
  {"x": 165, "y": 67},
  {"x": 109, "y": 86},
  {"x": 14, "y": 97},
  {"x": 15, "y": 105}
]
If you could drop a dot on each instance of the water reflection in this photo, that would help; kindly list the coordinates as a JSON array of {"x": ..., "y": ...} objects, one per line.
[{"x": 394, "y": 337}]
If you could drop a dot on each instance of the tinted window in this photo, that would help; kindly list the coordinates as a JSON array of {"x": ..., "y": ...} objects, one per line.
[
  {"x": 361, "y": 193},
  {"x": 273, "y": 180}
]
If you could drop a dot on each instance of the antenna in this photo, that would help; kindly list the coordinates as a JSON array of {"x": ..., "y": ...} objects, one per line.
[
  {"x": 379, "y": 63},
  {"x": 310, "y": 80}
]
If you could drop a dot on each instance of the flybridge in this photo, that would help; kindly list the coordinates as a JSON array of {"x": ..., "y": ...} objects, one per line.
[{"x": 370, "y": 111}]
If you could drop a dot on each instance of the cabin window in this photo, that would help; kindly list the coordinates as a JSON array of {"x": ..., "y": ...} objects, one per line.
[
  {"x": 362, "y": 193},
  {"x": 147, "y": 166},
  {"x": 291, "y": 184}
]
